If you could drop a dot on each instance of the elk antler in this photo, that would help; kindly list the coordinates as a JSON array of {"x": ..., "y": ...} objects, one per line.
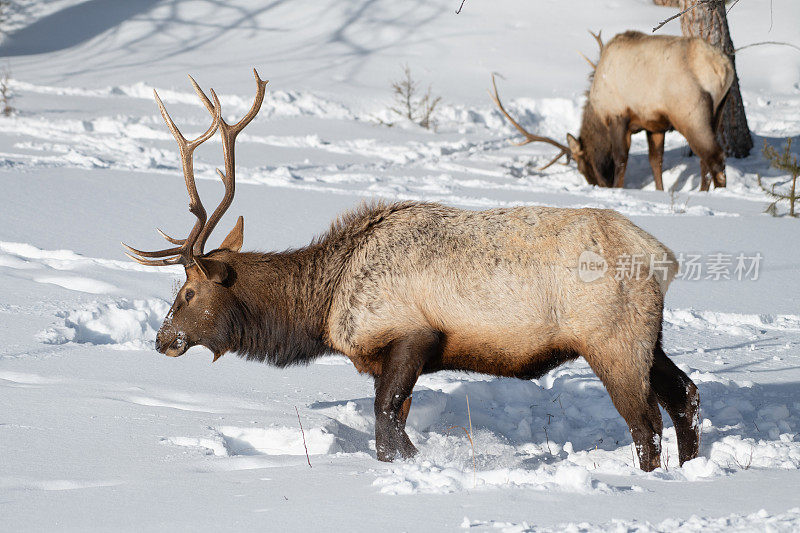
[
  {"x": 599, "y": 38},
  {"x": 529, "y": 137},
  {"x": 228, "y": 133},
  {"x": 193, "y": 245}
]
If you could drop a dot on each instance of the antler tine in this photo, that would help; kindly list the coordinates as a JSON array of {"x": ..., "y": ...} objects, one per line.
[
  {"x": 169, "y": 252},
  {"x": 183, "y": 144},
  {"x": 170, "y": 124},
  {"x": 170, "y": 239},
  {"x": 229, "y": 133},
  {"x": 599, "y": 38},
  {"x": 154, "y": 262},
  {"x": 182, "y": 254},
  {"x": 556, "y": 158},
  {"x": 529, "y": 137},
  {"x": 592, "y": 63},
  {"x": 203, "y": 97},
  {"x": 261, "y": 88}
]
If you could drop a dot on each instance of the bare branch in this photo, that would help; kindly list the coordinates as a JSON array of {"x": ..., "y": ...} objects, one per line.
[
  {"x": 700, "y": 3},
  {"x": 779, "y": 43}
]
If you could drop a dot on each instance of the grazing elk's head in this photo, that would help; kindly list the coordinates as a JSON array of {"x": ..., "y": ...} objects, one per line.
[
  {"x": 592, "y": 153},
  {"x": 203, "y": 307}
]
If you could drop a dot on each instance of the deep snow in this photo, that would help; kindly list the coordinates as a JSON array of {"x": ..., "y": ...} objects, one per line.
[{"x": 98, "y": 431}]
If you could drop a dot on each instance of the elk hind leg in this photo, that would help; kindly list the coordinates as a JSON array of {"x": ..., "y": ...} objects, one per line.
[
  {"x": 655, "y": 146},
  {"x": 680, "y": 398},
  {"x": 627, "y": 381},
  {"x": 402, "y": 365},
  {"x": 700, "y": 134}
]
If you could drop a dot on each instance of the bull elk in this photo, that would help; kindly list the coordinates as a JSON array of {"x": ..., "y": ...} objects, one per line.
[
  {"x": 654, "y": 83},
  {"x": 410, "y": 288}
]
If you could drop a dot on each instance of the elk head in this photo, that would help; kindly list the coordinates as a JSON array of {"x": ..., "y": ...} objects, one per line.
[{"x": 203, "y": 306}]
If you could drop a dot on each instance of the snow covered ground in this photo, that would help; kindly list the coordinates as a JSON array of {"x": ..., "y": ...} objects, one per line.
[{"x": 98, "y": 431}]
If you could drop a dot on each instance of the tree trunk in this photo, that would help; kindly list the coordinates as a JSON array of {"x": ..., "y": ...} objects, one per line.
[
  {"x": 668, "y": 3},
  {"x": 709, "y": 22}
]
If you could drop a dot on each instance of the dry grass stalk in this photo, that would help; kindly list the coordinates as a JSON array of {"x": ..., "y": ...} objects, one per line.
[
  {"x": 471, "y": 443},
  {"x": 547, "y": 439},
  {"x": 304, "y": 436},
  {"x": 746, "y": 465}
]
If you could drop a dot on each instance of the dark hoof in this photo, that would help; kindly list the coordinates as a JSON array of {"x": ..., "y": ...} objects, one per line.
[
  {"x": 388, "y": 452},
  {"x": 649, "y": 466},
  {"x": 408, "y": 451},
  {"x": 386, "y": 457}
]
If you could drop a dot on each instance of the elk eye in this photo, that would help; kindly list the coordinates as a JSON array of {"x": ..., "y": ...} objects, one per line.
[{"x": 189, "y": 294}]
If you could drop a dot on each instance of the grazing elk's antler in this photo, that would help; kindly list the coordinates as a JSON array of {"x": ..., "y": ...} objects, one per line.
[
  {"x": 599, "y": 38},
  {"x": 192, "y": 246},
  {"x": 529, "y": 137}
]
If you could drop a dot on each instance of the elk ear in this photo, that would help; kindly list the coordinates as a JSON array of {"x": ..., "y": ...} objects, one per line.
[
  {"x": 212, "y": 270},
  {"x": 235, "y": 238},
  {"x": 574, "y": 146}
]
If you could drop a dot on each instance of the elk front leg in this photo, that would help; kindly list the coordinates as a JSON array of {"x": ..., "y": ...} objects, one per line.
[
  {"x": 401, "y": 367},
  {"x": 655, "y": 149},
  {"x": 620, "y": 146}
]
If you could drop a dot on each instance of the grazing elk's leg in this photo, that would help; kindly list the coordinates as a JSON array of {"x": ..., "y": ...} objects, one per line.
[
  {"x": 699, "y": 132},
  {"x": 680, "y": 398},
  {"x": 401, "y": 367},
  {"x": 620, "y": 146},
  {"x": 705, "y": 182},
  {"x": 628, "y": 384},
  {"x": 719, "y": 175},
  {"x": 655, "y": 148}
]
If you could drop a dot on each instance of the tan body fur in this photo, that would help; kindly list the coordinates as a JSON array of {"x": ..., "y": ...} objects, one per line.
[
  {"x": 499, "y": 292},
  {"x": 501, "y": 285},
  {"x": 654, "y": 78}
]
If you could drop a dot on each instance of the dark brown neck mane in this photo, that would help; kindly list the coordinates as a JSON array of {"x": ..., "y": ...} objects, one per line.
[
  {"x": 283, "y": 298},
  {"x": 282, "y": 305}
]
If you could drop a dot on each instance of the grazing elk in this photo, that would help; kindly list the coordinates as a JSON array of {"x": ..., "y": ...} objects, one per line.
[
  {"x": 654, "y": 83},
  {"x": 410, "y": 288}
]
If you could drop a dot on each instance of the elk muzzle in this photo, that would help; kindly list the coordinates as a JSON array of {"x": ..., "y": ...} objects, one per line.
[{"x": 170, "y": 342}]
